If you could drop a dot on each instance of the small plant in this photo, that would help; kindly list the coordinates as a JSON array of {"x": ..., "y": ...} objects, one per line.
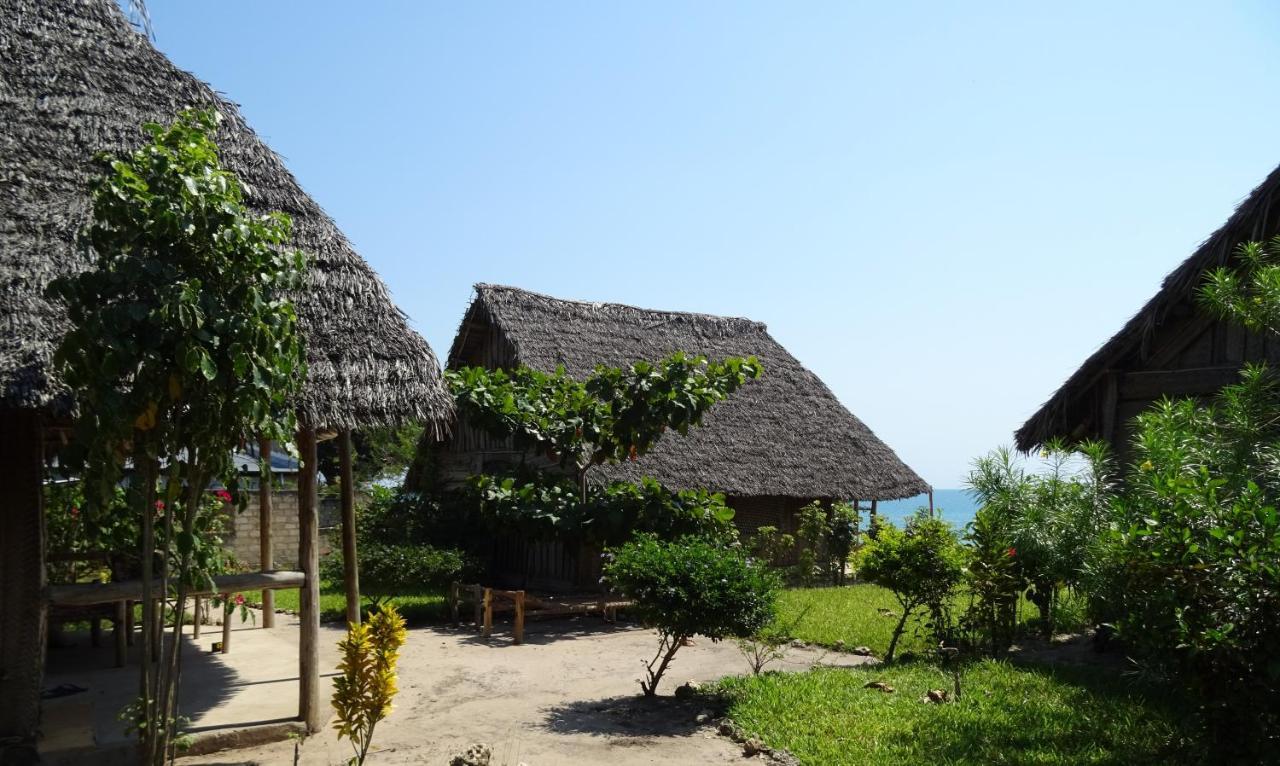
[
  {"x": 922, "y": 565},
  {"x": 772, "y": 546},
  {"x": 363, "y": 691},
  {"x": 691, "y": 586},
  {"x": 766, "y": 645}
]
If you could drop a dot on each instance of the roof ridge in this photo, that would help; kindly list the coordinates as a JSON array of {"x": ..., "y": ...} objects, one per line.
[{"x": 482, "y": 288}]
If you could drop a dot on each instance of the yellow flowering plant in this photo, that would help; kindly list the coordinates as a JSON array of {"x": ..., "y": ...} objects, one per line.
[{"x": 363, "y": 691}]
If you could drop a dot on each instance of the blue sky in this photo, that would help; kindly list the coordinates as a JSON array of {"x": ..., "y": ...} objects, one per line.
[{"x": 940, "y": 208}]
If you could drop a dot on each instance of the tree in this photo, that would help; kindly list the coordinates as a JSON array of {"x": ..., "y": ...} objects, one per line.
[
  {"x": 182, "y": 344},
  {"x": 616, "y": 414},
  {"x": 921, "y": 565},
  {"x": 687, "y": 587}
]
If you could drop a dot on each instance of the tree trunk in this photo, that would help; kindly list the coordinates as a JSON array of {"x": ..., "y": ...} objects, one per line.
[
  {"x": 897, "y": 633},
  {"x": 266, "y": 555}
]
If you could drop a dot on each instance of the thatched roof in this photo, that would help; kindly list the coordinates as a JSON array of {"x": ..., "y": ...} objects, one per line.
[
  {"x": 1257, "y": 218},
  {"x": 783, "y": 435},
  {"x": 76, "y": 78}
]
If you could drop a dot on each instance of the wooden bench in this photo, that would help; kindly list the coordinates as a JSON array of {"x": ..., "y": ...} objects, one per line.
[{"x": 485, "y": 601}]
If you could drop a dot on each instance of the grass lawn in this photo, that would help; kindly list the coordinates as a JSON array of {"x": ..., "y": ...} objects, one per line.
[
  {"x": 1008, "y": 714},
  {"x": 426, "y": 605},
  {"x": 858, "y": 615}
]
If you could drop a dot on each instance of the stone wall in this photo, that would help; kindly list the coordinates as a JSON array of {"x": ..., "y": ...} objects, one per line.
[{"x": 242, "y": 536}]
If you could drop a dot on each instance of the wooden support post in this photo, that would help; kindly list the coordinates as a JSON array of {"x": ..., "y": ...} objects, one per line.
[
  {"x": 266, "y": 554},
  {"x": 121, "y": 636},
  {"x": 453, "y": 602},
  {"x": 477, "y": 598},
  {"x": 519, "y": 621},
  {"x": 226, "y": 623},
  {"x": 488, "y": 613},
  {"x": 157, "y": 637},
  {"x": 309, "y": 706},
  {"x": 350, "y": 570},
  {"x": 128, "y": 621},
  {"x": 95, "y": 632},
  {"x": 23, "y": 608},
  {"x": 931, "y": 502},
  {"x": 197, "y": 607}
]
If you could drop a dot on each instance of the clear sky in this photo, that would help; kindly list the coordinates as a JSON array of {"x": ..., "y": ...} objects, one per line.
[{"x": 939, "y": 208}]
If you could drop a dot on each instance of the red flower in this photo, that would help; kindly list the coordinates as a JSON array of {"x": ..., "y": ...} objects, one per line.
[
  {"x": 239, "y": 599},
  {"x": 74, "y": 512},
  {"x": 1011, "y": 552},
  {"x": 159, "y": 505},
  {"x": 223, "y": 495}
]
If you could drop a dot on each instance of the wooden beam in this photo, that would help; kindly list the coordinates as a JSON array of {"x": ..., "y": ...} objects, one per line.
[
  {"x": 1110, "y": 403},
  {"x": 85, "y": 594},
  {"x": 309, "y": 705},
  {"x": 196, "y": 619},
  {"x": 519, "y": 618},
  {"x": 487, "y": 630},
  {"x": 266, "y": 553},
  {"x": 1153, "y": 384},
  {"x": 226, "y": 623},
  {"x": 120, "y": 635},
  {"x": 23, "y": 610},
  {"x": 454, "y": 597},
  {"x": 350, "y": 570}
]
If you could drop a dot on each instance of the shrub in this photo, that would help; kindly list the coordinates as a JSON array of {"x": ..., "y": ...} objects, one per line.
[
  {"x": 691, "y": 586},
  {"x": 366, "y": 683},
  {"x": 402, "y": 568},
  {"x": 921, "y": 565},
  {"x": 826, "y": 536},
  {"x": 1196, "y": 553},
  {"x": 771, "y": 546}
]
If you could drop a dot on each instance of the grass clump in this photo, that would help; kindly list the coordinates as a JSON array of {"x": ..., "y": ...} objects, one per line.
[{"x": 1008, "y": 714}]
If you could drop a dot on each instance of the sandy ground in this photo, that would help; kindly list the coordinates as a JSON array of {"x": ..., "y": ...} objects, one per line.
[{"x": 568, "y": 695}]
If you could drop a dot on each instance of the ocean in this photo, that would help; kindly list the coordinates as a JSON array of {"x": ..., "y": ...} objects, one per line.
[{"x": 955, "y": 506}]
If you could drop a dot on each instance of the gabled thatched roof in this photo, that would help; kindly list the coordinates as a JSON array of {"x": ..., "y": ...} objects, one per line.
[
  {"x": 783, "y": 435},
  {"x": 76, "y": 78},
  {"x": 1257, "y": 218}
]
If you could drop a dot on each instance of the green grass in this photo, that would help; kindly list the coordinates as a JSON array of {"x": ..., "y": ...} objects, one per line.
[
  {"x": 863, "y": 615},
  {"x": 426, "y": 605},
  {"x": 1007, "y": 714}
]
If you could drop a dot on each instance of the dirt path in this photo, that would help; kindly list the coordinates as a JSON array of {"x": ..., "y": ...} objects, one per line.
[{"x": 567, "y": 696}]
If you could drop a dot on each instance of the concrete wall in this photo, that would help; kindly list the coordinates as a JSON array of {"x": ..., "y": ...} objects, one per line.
[{"x": 243, "y": 531}]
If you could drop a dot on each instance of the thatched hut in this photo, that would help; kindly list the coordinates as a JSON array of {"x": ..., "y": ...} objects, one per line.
[
  {"x": 1169, "y": 348},
  {"x": 76, "y": 78},
  {"x": 778, "y": 443}
]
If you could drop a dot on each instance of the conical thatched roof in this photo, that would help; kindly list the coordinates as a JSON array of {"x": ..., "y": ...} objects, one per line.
[
  {"x": 76, "y": 78},
  {"x": 1257, "y": 218},
  {"x": 783, "y": 435}
]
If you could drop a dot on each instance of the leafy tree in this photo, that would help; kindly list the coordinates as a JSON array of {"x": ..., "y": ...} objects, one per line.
[
  {"x": 614, "y": 415},
  {"x": 826, "y": 536},
  {"x": 921, "y": 564},
  {"x": 687, "y": 587},
  {"x": 377, "y": 453},
  {"x": 182, "y": 343}
]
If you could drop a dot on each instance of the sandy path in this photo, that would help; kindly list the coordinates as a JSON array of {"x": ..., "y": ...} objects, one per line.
[{"x": 567, "y": 696}]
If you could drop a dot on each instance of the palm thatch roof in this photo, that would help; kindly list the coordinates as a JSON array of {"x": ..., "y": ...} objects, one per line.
[
  {"x": 1257, "y": 218},
  {"x": 75, "y": 79},
  {"x": 783, "y": 435}
]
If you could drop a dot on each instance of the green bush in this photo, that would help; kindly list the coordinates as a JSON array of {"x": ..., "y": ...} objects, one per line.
[
  {"x": 402, "y": 568},
  {"x": 1194, "y": 558},
  {"x": 922, "y": 564},
  {"x": 691, "y": 586}
]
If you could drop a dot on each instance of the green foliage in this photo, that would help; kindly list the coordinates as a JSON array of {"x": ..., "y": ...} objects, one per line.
[
  {"x": 771, "y": 546},
  {"x": 544, "y": 505},
  {"x": 691, "y": 586},
  {"x": 993, "y": 583},
  {"x": 409, "y": 567},
  {"x": 826, "y": 537},
  {"x": 376, "y": 453},
  {"x": 1010, "y": 714},
  {"x": 1047, "y": 520},
  {"x": 922, "y": 565},
  {"x": 614, "y": 415},
  {"x": 1195, "y": 553},
  {"x": 1247, "y": 292},
  {"x": 182, "y": 344}
]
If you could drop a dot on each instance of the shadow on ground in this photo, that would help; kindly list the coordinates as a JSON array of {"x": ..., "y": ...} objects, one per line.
[{"x": 632, "y": 716}]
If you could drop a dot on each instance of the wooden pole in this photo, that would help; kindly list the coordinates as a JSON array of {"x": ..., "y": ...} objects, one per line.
[
  {"x": 519, "y": 622},
  {"x": 488, "y": 613},
  {"x": 309, "y": 710},
  {"x": 195, "y": 620},
  {"x": 453, "y": 601},
  {"x": 226, "y": 623},
  {"x": 477, "y": 598},
  {"x": 350, "y": 570},
  {"x": 266, "y": 554},
  {"x": 120, "y": 635},
  {"x": 931, "y": 502}
]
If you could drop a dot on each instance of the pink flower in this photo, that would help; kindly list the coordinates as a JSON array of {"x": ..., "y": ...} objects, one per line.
[
  {"x": 1011, "y": 552},
  {"x": 223, "y": 495},
  {"x": 75, "y": 512},
  {"x": 239, "y": 599},
  {"x": 159, "y": 505}
]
